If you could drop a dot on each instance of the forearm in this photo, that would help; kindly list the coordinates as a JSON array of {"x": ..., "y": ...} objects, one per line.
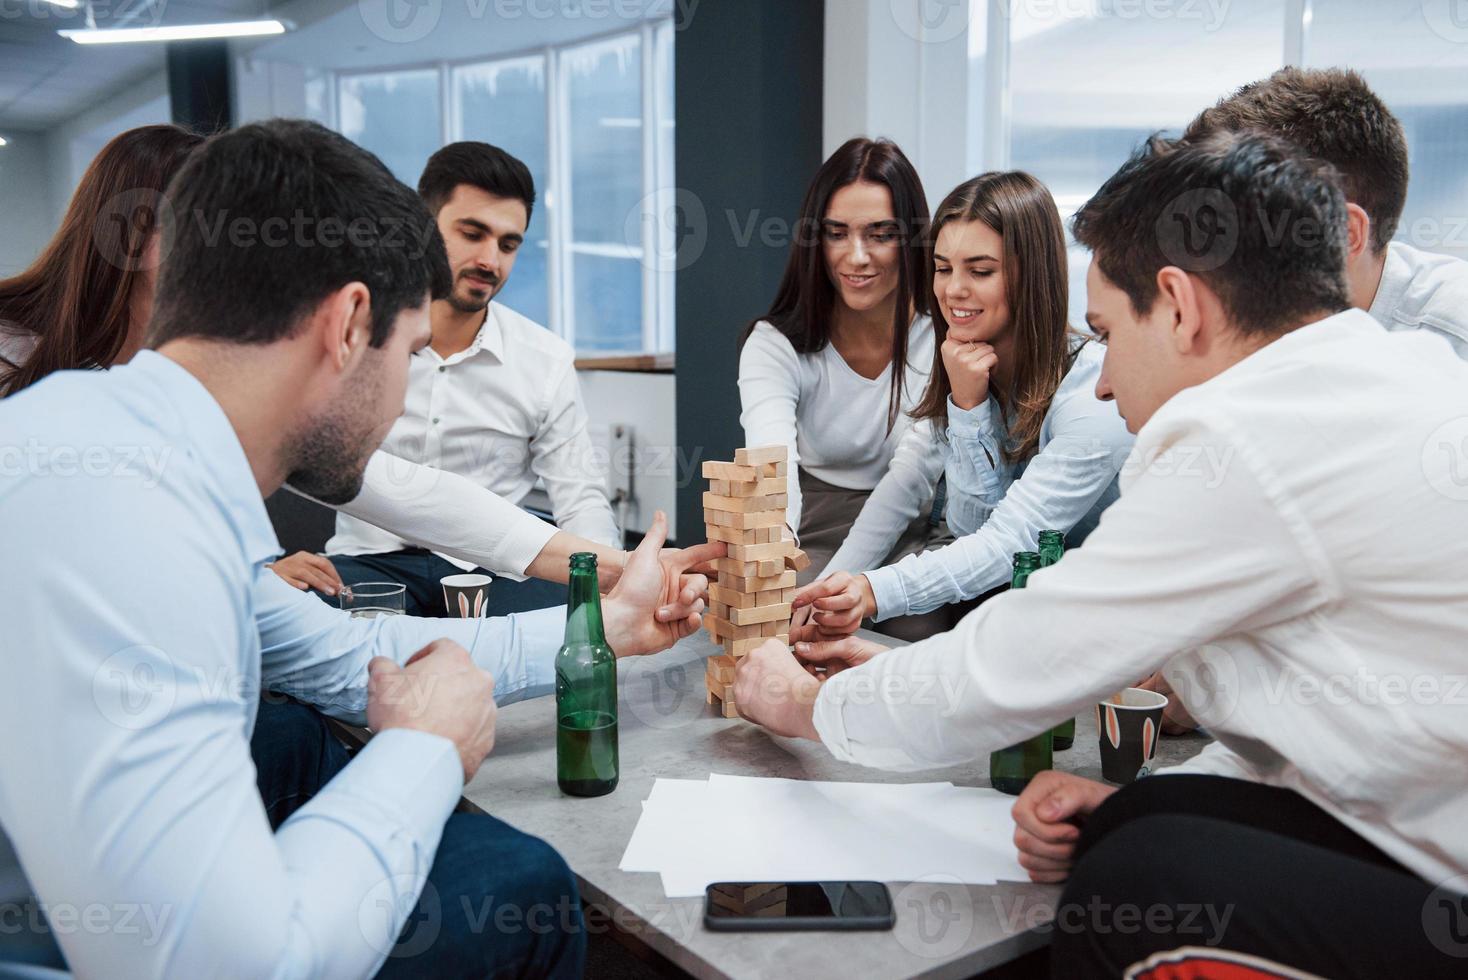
[{"x": 553, "y": 563}]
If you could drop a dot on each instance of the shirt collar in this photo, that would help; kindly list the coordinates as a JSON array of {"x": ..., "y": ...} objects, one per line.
[
  {"x": 1396, "y": 276},
  {"x": 491, "y": 336},
  {"x": 212, "y": 441}
]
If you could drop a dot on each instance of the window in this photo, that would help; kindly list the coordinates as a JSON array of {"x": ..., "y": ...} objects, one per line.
[
  {"x": 594, "y": 123},
  {"x": 1067, "y": 91},
  {"x": 395, "y": 115},
  {"x": 1415, "y": 56},
  {"x": 503, "y": 103}
]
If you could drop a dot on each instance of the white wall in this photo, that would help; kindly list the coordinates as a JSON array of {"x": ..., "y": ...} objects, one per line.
[
  {"x": 646, "y": 403},
  {"x": 72, "y": 145},
  {"x": 889, "y": 72}
]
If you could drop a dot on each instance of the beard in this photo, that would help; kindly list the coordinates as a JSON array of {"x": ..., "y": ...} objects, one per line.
[
  {"x": 328, "y": 455},
  {"x": 466, "y": 302}
]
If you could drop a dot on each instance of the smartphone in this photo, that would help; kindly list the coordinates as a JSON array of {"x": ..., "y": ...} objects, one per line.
[{"x": 749, "y": 906}]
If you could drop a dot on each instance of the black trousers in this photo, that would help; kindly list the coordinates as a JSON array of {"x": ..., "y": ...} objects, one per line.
[{"x": 1202, "y": 876}]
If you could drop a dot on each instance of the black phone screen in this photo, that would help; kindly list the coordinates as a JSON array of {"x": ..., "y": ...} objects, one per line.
[{"x": 745, "y": 900}]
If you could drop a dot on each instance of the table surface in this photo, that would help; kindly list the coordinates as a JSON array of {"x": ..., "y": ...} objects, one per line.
[{"x": 944, "y": 929}]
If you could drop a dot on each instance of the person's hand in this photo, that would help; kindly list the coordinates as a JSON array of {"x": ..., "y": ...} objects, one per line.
[
  {"x": 1175, "y": 717},
  {"x": 305, "y": 570},
  {"x": 440, "y": 691},
  {"x": 658, "y": 601},
  {"x": 836, "y": 655},
  {"x": 968, "y": 366},
  {"x": 1047, "y": 818},
  {"x": 838, "y": 603},
  {"x": 773, "y": 690}
]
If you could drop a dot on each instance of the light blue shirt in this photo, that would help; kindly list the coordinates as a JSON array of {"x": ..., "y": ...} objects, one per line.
[
  {"x": 140, "y": 626},
  {"x": 996, "y": 508}
]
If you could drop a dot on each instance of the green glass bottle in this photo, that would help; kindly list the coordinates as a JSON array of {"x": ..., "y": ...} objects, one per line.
[
  {"x": 1011, "y": 769},
  {"x": 1052, "y": 546},
  {"x": 586, "y": 691}
]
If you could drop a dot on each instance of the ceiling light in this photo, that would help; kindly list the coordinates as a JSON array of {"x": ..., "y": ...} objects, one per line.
[
  {"x": 178, "y": 32},
  {"x": 68, "y": 4}
]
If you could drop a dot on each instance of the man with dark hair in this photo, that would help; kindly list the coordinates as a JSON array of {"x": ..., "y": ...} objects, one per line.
[
  {"x": 142, "y": 625},
  {"x": 1248, "y": 559},
  {"x": 494, "y": 398},
  {"x": 1332, "y": 114}
]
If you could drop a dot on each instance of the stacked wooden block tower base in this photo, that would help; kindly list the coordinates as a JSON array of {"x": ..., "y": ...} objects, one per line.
[{"x": 750, "y": 603}]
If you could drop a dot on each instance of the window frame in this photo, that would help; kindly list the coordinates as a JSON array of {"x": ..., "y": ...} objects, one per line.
[{"x": 656, "y": 282}]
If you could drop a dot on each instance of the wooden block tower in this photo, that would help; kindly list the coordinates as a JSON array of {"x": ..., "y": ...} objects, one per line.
[{"x": 750, "y": 603}]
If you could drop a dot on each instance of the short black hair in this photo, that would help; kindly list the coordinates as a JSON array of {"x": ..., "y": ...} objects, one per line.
[
  {"x": 1251, "y": 215},
  {"x": 1332, "y": 114},
  {"x": 270, "y": 218},
  {"x": 480, "y": 165}
]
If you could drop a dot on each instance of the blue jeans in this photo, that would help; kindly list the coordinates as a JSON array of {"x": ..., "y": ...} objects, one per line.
[
  {"x": 421, "y": 570},
  {"x": 498, "y": 903}
]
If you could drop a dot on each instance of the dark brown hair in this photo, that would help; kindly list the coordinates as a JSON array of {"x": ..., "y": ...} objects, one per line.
[
  {"x": 806, "y": 297},
  {"x": 1021, "y": 211},
  {"x": 480, "y": 165},
  {"x": 1331, "y": 114},
  {"x": 1271, "y": 222},
  {"x": 75, "y": 298}
]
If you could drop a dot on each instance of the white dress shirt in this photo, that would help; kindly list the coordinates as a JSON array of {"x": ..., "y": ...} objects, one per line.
[
  {"x": 833, "y": 421},
  {"x": 996, "y": 508},
  {"x": 500, "y": 413},
  {"x": 140, "y": 627},
  {"x": 1289, "y": 548},
  {"x": 1424, "y": 291},
  {"x": 428, "y": 507}
]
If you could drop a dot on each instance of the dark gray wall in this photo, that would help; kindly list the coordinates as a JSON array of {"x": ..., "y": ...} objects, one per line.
[
  {"x": 200, "y": 87},
  {"x": 748, "y": 139}
]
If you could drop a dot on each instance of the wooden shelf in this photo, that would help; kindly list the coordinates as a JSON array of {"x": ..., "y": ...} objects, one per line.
[{"x": 627, "y": 362}]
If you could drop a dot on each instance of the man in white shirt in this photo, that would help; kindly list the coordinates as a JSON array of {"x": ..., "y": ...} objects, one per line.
[
  {"x": 1332, "y": 114},
  {"x": 280, "y": 350},
  {"x": 1286, "y": 550},
  {"x": 493, "y": 398}
]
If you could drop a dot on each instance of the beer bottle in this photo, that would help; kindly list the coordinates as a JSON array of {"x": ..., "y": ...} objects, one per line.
[
  {"x": 1011, "y": 769},
  {"x": 1052, "y": 546},
  {"x": 586, "y": 691}
]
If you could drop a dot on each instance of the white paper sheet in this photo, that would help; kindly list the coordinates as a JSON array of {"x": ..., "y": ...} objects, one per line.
[{"x": 739, "y": 828}]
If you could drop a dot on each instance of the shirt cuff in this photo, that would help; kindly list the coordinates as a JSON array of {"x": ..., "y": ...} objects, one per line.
[
  {"x": 889, "y": 592},
  {"x": 829, "y": 724},
  {"x": 523, "y": 540},
  {"x": 972, "y": 423},
  {"x": 413, "y": 774}
]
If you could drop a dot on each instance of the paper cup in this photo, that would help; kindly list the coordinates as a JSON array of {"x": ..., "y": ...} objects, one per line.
[
  {"x": 1128, "y": 724},
  {"x": 466, "y": 596}
]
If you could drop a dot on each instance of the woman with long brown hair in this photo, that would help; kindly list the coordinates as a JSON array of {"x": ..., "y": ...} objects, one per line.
[
  {"x": 86, "y": 299},
  {"x": 1027, "y": 445},
  {"x": 833, "y": 370}
]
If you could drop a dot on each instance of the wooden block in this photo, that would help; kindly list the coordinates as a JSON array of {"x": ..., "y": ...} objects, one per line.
[
  {"x": 708, "y": 697},
  {"x": 758, "y": 488},
  {"x": 745, "y": 505},
  {"x": 731, "y": 598},
  {"x": 768, "y": 597},
  {"x": 732, "y": 471},
  {"x": 728, "y": 710},
  {"x": 784, "y": 580},
  {"x": 755, "y": 455},
  {"x": 743, "y": 647},
  {"x": 788, "y": 595},
  {"x": 727, "y": 630},
  {"x": 772, "y": 469},
  {"x": 760, "y": 614},
  {"x": 719, "y": 689},
  {"x": 719, "y": 609},
  {"x": 767, "y": 569},
  {"x": 776, "y": 550},
  {"x": 779, "y": 628},
  {"x": 741, "y": 569},
  {"x": 745, "y": 520},
  {"x": 798, "y": 560},
  {"x": 734, "y": 537},
  {"x": 769, "y": 535},
  {"x": 721, "y": 668}
]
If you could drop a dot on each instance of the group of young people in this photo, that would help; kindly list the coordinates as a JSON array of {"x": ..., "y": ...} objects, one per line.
[{"x": 939, "y": 410}]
